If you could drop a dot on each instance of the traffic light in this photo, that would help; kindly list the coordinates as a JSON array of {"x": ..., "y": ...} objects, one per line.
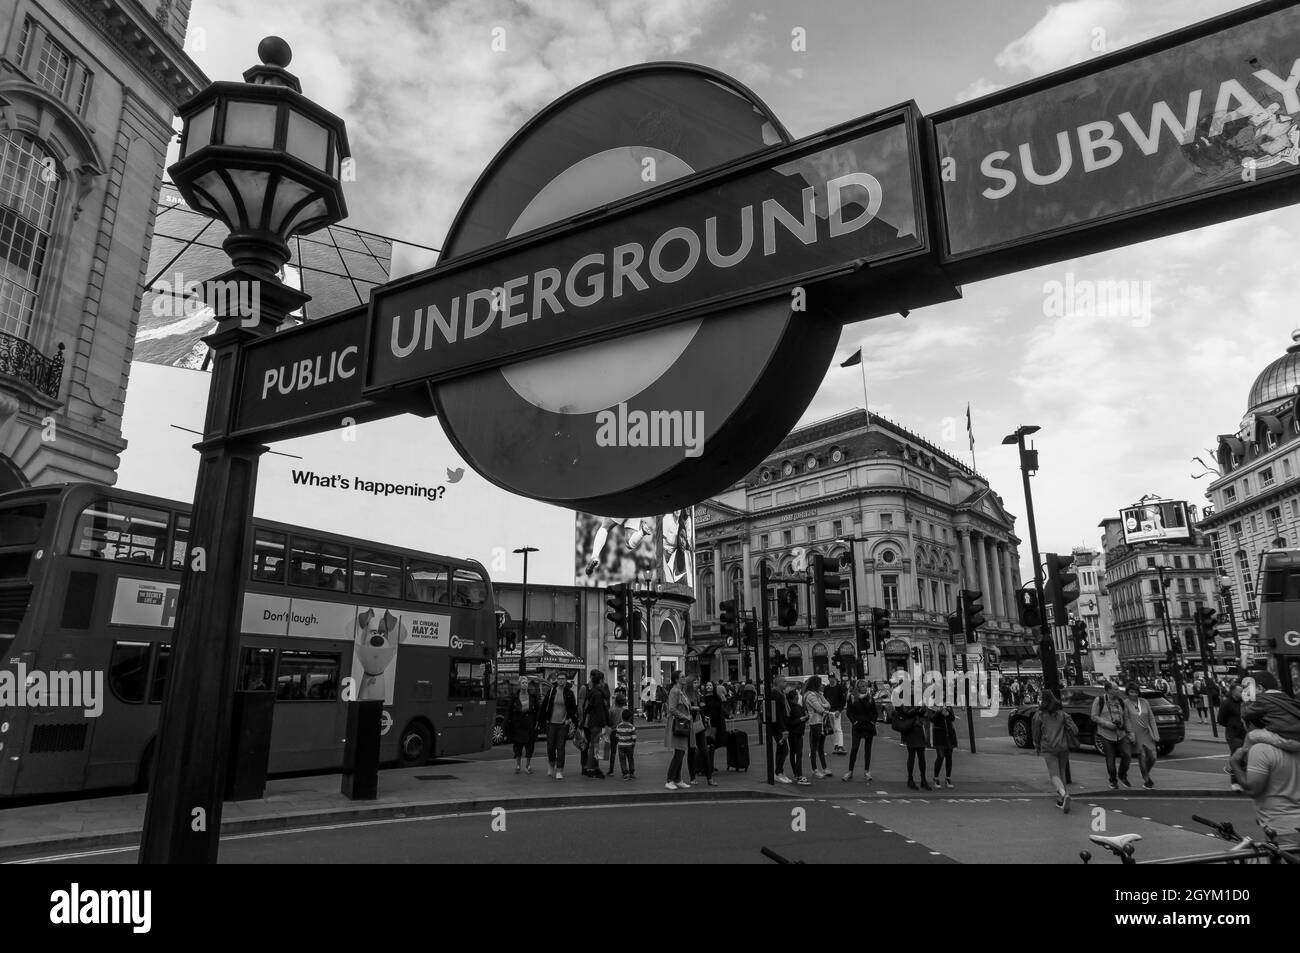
[
  {"x": 916, "y": 653},
  {"x": 635, "y": 628},
  {"x": 727, "y": 621},
  {"x": 787, "y": 606},
  {"x": 618, "y": 606},
  {"x": 751, "y": 633},
  {"x": 954, "y": 623},
  {"x": 1028, "y": 608},
  {"x": 864, "y": 640},
  {"x": 1189, "y": 634},
  {"x": 510, "y": 640},
  {"x": 1080, "y": 629},
  {"x": 972, "y": 611},
  {"x": 1177, "y": 644},
  {"x": 1207, "y": 619},
  {"x": 880, "y": 627},
  {"x": 778, "y": 660},
  {"x": 1064, "y": 585},
  {"x": 827, "y": 584}
]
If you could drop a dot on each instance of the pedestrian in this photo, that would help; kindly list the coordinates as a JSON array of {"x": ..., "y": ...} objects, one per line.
[
  {"x": 909, "y": 722},
  {"x": 661, "y": 701},
  {"x": 818, "y": 710},
  {"x": 521, "y": 726},
  {"x": 1110, "y": 718},
  {"x": 861, "y": 712},
  {"x": 647, "y": 698},
  {"x": 1201, "y": 697},
  {"x": 1271, "y": 708},
  {"x": 615, "y": 719},
  {"x": 625, "y": 736},
  {"x": 1234, "y": 729},
  {"x": 1015, "y": 692},
  {"x": 779, "y": 727},
  {"x": 713, "y": 707},
  {"x": 943, "y": 738},
  {"x": 1054, "y": 732},
  {"x": 796, "y": 722},
  {"x": 837, "y": 695},
  {"x": 1005, "y": 688},
  {"x": 699, "y": 731},
  {"x": 677, "y": 731},
  {"x": 1162, "y": 685},
  {"x": 1143, "y": 732},
  {"x": 750, "y": 695},
  {"x": 595, "y": 719},
  {"x": 1267, "y": 766},
  {"x": 560, "y": 709}
]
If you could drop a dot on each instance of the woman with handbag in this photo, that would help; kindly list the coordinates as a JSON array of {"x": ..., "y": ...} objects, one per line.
[
  {"x": 861, "y": 711},
  {"x": 560, "y": 709},
  {"x": 943, "y": 737},
  {"x": 677, "y": 732},
  {"x": 700, "y": 728},
  {"x": 521, "y": 726},
  {"x": 909, "y": 722},
  {"x": 595, "y": 719},
  {"x": 819, "y": 724}
]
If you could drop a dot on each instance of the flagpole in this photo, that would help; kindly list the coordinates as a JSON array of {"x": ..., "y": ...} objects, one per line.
[
  {"x": 866, "y": 405},
  {"x": 970, "y": 436}
]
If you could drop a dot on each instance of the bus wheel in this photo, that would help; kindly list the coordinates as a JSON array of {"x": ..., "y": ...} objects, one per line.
[
  {"x": 415, "y": 745},
  {"x": 146, "y": 769}
]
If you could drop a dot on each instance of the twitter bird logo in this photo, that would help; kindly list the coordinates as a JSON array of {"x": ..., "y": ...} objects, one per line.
[{"x": 453, "y": 476}]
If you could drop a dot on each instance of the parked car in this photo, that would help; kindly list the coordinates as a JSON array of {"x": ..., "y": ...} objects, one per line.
[{"x": 1077, "y": 701}]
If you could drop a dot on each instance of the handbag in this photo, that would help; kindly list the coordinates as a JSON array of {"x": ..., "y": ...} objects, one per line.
[
  {"x": 681, "y": 727},
  {"x": 578, "y": 737}
]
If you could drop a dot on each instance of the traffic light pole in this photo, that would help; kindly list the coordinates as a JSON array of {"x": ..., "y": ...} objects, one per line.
[
  {"x": 1047, "y": 648},
  {"x": 767, "y": 702},
  {"x": 1207, "y": 663},
  {"x": 1226, "y": 592},
  {"x": 965, "y": 667},
  {"x": 1176, "y": 661}
]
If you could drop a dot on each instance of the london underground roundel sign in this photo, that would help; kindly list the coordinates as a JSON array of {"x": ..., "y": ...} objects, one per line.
[{"x": 618, "y": 321}]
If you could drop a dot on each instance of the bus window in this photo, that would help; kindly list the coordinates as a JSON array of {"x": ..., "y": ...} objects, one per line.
[
  {"x": 468, "y": 678},
  {"x": 161, "y": 666},
  {"x": 307, "y": 676},
  {"x": 21, "y": 525},
  {"x": 318, "y": 564},
  {"x": 376, "y": 574},
  {"x": 256, "y": 670},
  {"x": 128, "y": 672},
  {"x": 268, "y": 556},
  {"x": 180, "y": 540},
  {"x": 468, "y": 589},
  {"x": 121, "y": 531},
  {"x": 426, "y": 581}
]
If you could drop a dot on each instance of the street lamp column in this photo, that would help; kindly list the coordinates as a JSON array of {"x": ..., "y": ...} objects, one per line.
[{"x": 523, "y": 634}]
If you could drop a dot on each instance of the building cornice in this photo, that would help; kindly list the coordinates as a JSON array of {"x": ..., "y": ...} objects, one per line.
[{"x": 145, "y": 46}]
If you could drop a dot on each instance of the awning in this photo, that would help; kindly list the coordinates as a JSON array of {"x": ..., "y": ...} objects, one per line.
[
  {"x": 1273, "y": 423},
  {"x": 1233, "y": 444},
  {"x": 541, "y": 654},
  {"x": 1011, "y": 652}
]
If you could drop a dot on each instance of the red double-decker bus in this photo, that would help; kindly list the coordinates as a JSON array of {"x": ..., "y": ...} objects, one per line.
[{"x": 89, "y": 577}]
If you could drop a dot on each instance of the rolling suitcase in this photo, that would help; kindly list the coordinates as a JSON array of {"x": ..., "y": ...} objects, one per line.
[{"x": 737, "y": 751}]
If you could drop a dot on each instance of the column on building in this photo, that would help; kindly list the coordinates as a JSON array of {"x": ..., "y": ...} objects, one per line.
[
  {"x": 914, "y": 584},
  {"x": 746, "y": 578},
  {"x": 719, "y": 582},
  {"x": 967, "y": 561},
  {"x": 984, "y": 571},
  {"x": 995, "y": 570},
  {"x": 1008, "y": 583}
]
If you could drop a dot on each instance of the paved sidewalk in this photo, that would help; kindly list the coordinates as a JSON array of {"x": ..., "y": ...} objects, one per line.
[{"x": 478, "y": 785}]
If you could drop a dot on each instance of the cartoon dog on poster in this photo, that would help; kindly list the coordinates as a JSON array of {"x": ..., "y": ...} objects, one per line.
[{"x": 375, "y": 654}]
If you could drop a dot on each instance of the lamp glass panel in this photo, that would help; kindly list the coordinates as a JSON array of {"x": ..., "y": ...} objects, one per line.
[
  {"x": 308, "y": 140},
  {"x": 250, "y": 124},
  {"x": 288, "y": 193},
  {"x": 312, "y": 212},
  {"x": 251, "y": 187},
  {"x": 215, "y": 186},
  {"x": 198, "y": 132}
]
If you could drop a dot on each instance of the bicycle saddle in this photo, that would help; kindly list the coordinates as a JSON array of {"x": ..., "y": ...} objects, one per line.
[{"x": 1117, "y": 844}]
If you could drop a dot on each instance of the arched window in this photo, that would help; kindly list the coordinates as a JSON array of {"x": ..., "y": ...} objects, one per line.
[
  {"x": 821, "y": 661},
  {"x": 29, "y": 194},
  {"x": 667, "y": 633},
  {"x": 794, "y": 660}
]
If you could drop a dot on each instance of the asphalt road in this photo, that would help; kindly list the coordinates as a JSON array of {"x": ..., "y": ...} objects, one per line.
[{"x": 727, "y": 832}]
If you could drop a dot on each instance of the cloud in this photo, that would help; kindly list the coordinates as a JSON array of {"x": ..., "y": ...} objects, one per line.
[
  {"x": 981, "y": 87},
  {"x": 1067, "y": 33}
]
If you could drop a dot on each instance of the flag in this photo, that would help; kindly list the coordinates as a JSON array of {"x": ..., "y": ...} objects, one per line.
[
  {"x": 854, "y": 360},
  {"x": 970, "y": 431}
]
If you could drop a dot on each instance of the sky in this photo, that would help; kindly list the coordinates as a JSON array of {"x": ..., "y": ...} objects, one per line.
[{"x": 1123, "y": 403}]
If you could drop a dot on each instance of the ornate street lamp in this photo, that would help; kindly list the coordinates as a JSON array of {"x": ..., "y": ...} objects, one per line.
[{"x": 265, "y": 161}]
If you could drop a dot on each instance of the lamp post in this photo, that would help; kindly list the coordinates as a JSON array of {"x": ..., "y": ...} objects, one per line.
[
  {"x": 264, "y": 160},
  {"x": 1029, "y": 464},
  {"x": 1176, "y": 657},
  {"x": 523, "y": 634},
  {"x": 1225, "y": 590}
]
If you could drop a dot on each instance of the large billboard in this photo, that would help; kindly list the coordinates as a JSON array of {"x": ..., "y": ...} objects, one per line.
[
  {"x": 1155, "y": 521},
  {"x": 611, "y": 550}
]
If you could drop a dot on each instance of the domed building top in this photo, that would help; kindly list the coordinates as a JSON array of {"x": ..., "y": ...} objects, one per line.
[{"x": 1278, "y": 381}]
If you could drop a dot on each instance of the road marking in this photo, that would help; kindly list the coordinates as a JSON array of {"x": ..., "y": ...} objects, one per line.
[
  {"x": 379, "y": 822},
  {"x": 1200, "y": 757}
]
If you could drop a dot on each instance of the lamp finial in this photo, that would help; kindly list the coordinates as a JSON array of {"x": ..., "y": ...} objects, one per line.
[{"x": 274, "y": 51}]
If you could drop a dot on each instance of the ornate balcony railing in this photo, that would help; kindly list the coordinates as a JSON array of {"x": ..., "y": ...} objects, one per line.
[{"x": 18, "y": 359}]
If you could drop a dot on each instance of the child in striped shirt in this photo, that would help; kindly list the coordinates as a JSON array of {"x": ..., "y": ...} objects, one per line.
[{"x": 626, "y": 736}]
